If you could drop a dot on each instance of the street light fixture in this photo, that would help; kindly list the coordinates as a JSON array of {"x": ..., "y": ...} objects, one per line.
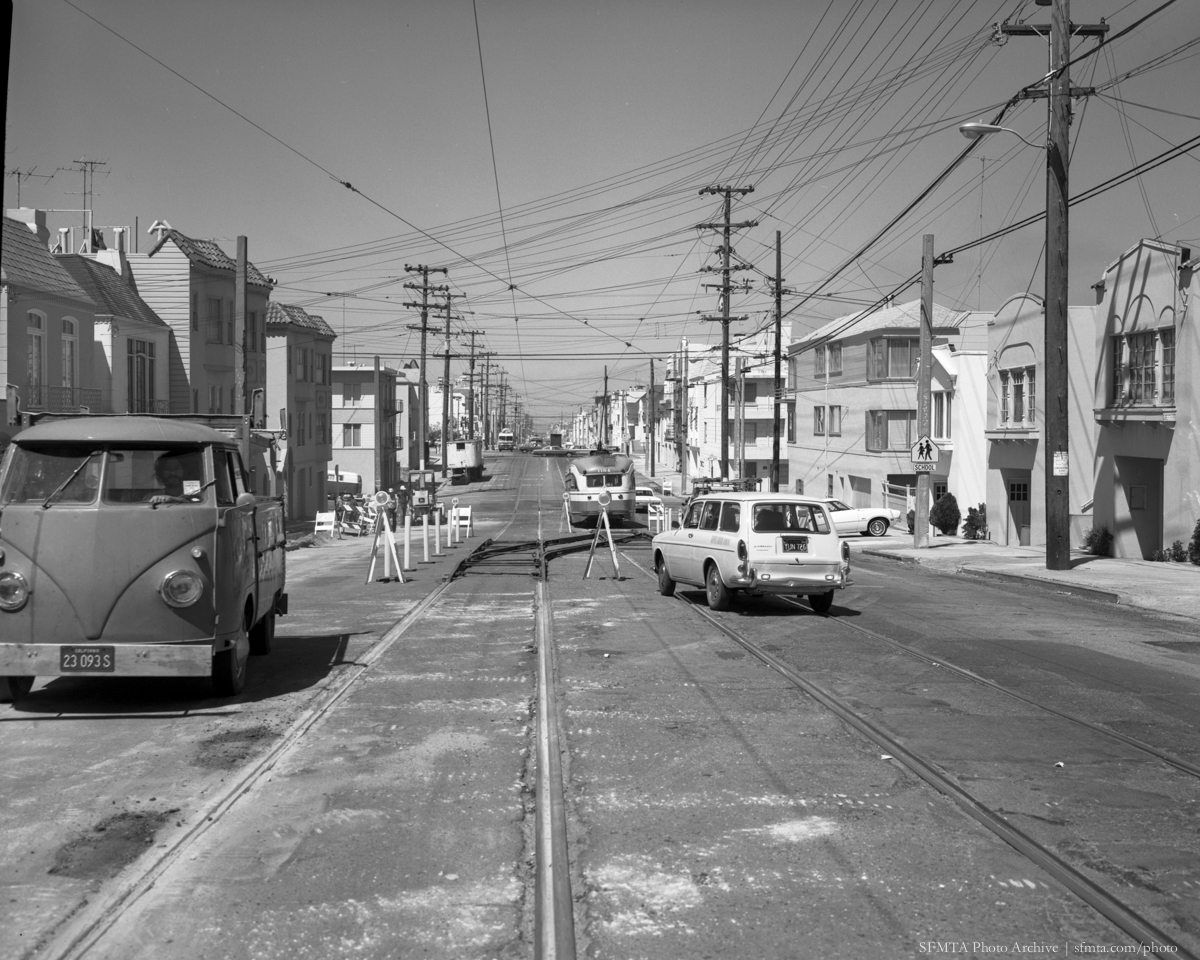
[{"x": 973, "y": 131}]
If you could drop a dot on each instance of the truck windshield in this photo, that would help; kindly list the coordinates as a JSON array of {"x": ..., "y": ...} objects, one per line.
[
  {"x": 69, "y": 472},
  {"x": 137, "y": 475}
]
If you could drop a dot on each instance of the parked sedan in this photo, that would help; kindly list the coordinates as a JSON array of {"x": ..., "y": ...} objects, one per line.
[
  {"x": 644, "y": 497},
  {"x": 873, "y": 521}
]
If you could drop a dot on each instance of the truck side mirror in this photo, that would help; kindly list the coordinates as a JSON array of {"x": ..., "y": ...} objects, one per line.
[{"x": 246, "y": 499}]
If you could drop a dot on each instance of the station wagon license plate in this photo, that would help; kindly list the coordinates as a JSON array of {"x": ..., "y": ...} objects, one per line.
[
  {"x": 795, "y": 544},
  {"x": 87, "y": 659}
]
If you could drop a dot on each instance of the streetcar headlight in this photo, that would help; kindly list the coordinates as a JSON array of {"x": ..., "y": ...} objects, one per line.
[
  {"x": 181, "y": 588},
  {"x": 14, "y": 591}
]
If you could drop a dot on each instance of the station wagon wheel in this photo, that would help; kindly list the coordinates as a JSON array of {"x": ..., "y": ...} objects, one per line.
[
  {"x": 262, "y": 634},
  {"x": 229, "y": 666},
  {"x": 13, "y": 689},
  {"x": 666, "y": 586},
  {"x": 821, "y": 602},
  {"x": 877, "y": 527},
  {"x": 719, "y": 595}
]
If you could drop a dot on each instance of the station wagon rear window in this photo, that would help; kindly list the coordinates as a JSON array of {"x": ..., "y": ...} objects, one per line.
[{"x": 789, "y": 518}]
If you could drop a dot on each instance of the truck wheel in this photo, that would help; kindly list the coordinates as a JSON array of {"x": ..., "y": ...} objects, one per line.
[
  {"x": 719, "y": 595},
  {"x": 262, "y": 634},
  {"x": 821, "y": 602},
  {"x": 13, "y": 689},
  {"x": 666, "y": 586},
  {"x": 229, "y": 666}
]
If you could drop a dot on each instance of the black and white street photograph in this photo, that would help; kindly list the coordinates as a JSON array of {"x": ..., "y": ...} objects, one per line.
[{"x": 600, "y": 480}]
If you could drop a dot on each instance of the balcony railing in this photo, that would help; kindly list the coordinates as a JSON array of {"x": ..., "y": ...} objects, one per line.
[
  {"x": 154, "y": 407},
  {"x": 46, "y": 399}
]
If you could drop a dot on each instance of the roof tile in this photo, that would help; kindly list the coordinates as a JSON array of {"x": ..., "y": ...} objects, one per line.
[{"x": 25, "y": 261}]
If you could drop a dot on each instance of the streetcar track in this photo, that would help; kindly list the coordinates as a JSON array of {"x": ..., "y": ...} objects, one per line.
[
  {"x": 1179, "y": 764},
  {"x": 1151, "y": 939}
]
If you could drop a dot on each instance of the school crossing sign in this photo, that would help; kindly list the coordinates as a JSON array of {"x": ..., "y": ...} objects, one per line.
[{"x": 925, "y": 455}]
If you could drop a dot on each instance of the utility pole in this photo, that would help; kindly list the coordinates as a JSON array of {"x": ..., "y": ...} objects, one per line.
[
  {"x": 423, "y": 389},
  {"x": 924, "y": 388},
  {"x": 487, "y": 400},
  {"x": 653, "y": 411},
  {"x": 1058, "y": 92},
  {"x": 239, "y": 329},
  {"x": 604, "y": 435},
  {"x": 726, "y": 293},
  {"x": 471, "y": 387},
  {"x": 778, "y": 360},
  {"x": 446, "y": 386}
]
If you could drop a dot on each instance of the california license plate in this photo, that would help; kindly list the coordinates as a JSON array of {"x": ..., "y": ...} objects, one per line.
[
  {"x": 795, "y": 545},
  {"x": 87, "y": 659}
]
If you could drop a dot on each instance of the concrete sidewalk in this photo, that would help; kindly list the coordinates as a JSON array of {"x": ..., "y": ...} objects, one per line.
[{"x": 1172, "y": 588}]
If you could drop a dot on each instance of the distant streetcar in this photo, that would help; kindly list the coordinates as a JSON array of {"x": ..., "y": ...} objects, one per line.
[{"x": 588, "y": 477}]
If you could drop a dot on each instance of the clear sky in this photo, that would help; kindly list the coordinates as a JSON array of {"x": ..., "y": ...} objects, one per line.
[{"x": 577, "y": 248}]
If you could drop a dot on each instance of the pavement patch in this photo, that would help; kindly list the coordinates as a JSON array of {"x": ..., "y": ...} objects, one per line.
[
  {"x": 232, "y": 748},
  {"x": 110, "y": 846}
]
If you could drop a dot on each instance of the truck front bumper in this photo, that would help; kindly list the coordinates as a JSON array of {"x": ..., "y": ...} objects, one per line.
[{"x": 109, "y": 659}]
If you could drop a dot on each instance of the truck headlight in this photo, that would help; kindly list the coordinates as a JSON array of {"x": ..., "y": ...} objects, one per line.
[
  {"x": 181, "y": 588},
  {"x": 14, "y": 591}
]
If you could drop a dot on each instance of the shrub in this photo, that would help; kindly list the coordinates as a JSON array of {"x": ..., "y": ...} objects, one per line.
[
  {"x": 975, "y": 526},
  {"x": 1098, "y": 542},
  {"x": 1160, "y": 555},
  {"x": 1179, "y": 552},
  {"x": 1194, "y": 546},
  {"x": 912, "y": 522},
  {"x": 945, "y": 514}
]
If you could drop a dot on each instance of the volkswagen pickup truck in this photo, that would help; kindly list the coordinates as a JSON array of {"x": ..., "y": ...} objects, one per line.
[{"x": 131, "y": 547}]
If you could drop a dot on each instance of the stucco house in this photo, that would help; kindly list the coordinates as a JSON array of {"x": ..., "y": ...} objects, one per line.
[
  {"x": 1146, "y": 399},
  {"x": 130, "y": 342},
  {"x": 46, "y": 321},
  {"x": 854, "y": 385},
  {"x": 299, "y": 383}
]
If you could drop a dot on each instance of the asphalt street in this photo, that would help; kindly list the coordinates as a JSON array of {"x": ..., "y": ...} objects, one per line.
[{"x": 371, "y": 792}]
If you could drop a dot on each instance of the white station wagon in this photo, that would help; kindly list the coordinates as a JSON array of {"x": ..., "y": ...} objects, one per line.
[{"x": 760, "y": 543}]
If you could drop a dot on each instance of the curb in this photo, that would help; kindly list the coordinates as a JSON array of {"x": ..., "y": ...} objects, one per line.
[
  {"x": 884, "y": 555},
  {"x": 1054, "y": 586}
]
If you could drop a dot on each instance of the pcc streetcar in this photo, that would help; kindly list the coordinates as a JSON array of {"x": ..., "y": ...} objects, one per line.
[{"x": 588, "y": 477}]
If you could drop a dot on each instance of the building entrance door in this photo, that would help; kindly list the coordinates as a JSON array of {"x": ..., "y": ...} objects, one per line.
[{"x": 1018, "y": 511}]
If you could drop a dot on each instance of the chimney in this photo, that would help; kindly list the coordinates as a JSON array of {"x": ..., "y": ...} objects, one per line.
[{"x": 35, "y": 220}]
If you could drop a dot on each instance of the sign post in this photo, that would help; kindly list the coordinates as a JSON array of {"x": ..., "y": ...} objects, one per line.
[{"x": 925, "y": 455}]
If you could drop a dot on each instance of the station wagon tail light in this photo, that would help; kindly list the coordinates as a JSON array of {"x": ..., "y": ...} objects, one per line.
[
  {"x": 14, "y": 591},
  {"x": 845, "y": 551},
  {"x": 181, "y": 588},
  {"x": 742, "y": 554}
]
